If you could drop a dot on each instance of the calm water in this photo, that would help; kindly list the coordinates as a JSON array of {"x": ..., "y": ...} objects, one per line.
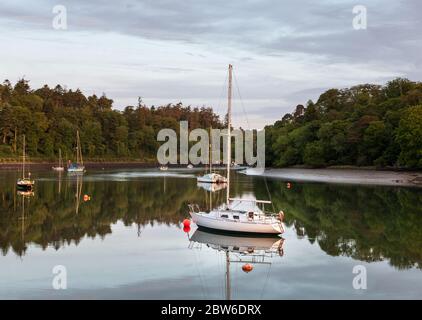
[{"x": 127, "y": 240}]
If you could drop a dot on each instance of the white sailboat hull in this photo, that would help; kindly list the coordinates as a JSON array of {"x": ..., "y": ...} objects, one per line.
[
  {"x": 79, "y": 169},
  {"x": 212, "y": 178},
  {"x": 202, "y": 220}
]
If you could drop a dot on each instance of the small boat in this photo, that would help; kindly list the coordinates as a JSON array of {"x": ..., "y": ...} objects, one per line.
[
  {"x": 60, "y": 166},
  {"x": 234, "y": 216},
  {"x": 211, "y": 187},
  {"x": 189, "y": 166},
  {"x": 24, "y": 183},
  {"x": 211, "y": 177},
  {"x": 164, "y": 168},
  {"x": 77, "y": 167}
]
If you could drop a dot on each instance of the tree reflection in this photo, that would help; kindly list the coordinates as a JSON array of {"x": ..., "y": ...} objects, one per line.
[
  {"x": 54, "y": 219},
  {"x": 365, "y": 223}
]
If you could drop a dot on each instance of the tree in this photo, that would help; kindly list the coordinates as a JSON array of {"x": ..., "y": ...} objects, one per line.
[{"x": 409, "y": 137}]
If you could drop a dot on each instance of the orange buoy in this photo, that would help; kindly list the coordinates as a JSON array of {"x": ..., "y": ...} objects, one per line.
[
  {"x": 247, "y": 268},
  {"x": 288, "y": 185},
  {"x": 281, "y": 215},
  {"x": 186, "y": 223},
  {"x": 87, "y": 197},
  {"x": 186, "y": 229}
]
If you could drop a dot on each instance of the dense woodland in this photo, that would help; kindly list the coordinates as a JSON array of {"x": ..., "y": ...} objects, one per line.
[
  {"x": 50, "y": 117},
  {"x": 366, "y": 125}
]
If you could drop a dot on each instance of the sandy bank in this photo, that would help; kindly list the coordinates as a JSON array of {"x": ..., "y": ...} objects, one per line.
[{"x": 349, "y": 176}]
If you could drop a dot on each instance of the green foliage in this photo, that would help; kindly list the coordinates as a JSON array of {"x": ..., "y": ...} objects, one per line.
[
  {"x": 50, "y": 117},
  {"x": 314, "y": 154},
  {"x": 366, "y": 125},
  {"x": 409, "y": 137}
]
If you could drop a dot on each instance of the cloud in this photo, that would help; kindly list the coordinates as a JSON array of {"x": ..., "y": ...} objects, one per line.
[{"x": 178, "y": 50}]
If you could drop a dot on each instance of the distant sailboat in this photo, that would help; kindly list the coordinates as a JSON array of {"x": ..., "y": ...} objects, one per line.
[
  {"x": 79, "y": 165},
  {"x": 60, "y": 166},
  {"x": 24, "y": 183},
  {"x": 211, "y": 177},
  {"x": 233, "y": 216}
]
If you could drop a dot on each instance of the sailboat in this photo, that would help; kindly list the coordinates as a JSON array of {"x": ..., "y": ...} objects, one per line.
[
  {"x": 211, "y": 177},
  {"x": 245, "y": 250},
  {"x": 60, "y": 166},
  {"x": 24, "y": 183},
  {"x": 79, "y": 165},
  {"x": 234, "y": 215}
]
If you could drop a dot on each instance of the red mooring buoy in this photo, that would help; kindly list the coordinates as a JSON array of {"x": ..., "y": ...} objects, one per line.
[
  {"x": 186, "y": 223},
  {"x": 247, "y": 268}
]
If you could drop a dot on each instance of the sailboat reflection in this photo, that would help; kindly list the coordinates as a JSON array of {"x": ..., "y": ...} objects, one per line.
[
  {"x": 78, "y": 178},
  {"x": 246, "y": 250},
  {"x": 25, "y": 195},
  {"x": 212, "y": 187}
]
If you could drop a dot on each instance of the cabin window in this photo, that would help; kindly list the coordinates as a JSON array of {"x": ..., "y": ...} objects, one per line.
[
  {"x": 236, "y": 217},
  {"x": 224, "y": 216}
]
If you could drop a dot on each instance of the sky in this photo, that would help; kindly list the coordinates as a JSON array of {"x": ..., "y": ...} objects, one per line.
[{"x": 284, "y": 52}]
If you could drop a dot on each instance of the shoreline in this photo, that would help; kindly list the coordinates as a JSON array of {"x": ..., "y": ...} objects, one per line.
[
  {"x": 88, "y": 164},
  {"x": 336, "y": 175},
  {"x": 345, "y": 176}
]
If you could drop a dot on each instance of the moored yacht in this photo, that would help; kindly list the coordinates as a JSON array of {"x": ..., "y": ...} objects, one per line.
[{"x": 234, "y": 216}]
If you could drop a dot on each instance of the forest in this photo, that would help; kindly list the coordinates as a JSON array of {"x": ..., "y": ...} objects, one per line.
[
  {"x": 365, "y": 125},
  {"x": 49, "y": 118}
]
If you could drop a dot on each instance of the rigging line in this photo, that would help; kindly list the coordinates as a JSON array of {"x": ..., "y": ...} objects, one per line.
[
  {"x": 221, "y": 96},
  {"x": 203, "y": 287},
  {"x": 241, "y": 101},
  {"x": 266, "y": 281},
  {"x": 269, "y": 194}
]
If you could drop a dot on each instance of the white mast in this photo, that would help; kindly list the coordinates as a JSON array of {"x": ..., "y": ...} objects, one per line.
[
  {"x": 23, "y": 157},
  {"x": 228, "y": 285},
  {"x": 229, "y": 149},
  {"x": 79, "y": 159},
  {"x": 210, "y": 150},
  {"x": 60, "y": 158}
]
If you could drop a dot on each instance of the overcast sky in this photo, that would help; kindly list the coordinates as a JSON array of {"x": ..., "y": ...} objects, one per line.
[{"x": 284, "y": 52}]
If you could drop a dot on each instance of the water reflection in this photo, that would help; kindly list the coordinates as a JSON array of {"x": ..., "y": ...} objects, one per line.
[
  {"x": 244, "y": 251},
  {"x": 365, "y": 223}
]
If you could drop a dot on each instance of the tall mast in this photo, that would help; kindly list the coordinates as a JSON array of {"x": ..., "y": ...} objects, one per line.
[
  {"x": 23, "y": 157},
  {"x": 79, "y": 159},
  {"x": 210, "y": 150},
  {"x": 80, "y": 150},
  {"x": 77, "y": 146},
  {"x": 228, "y": 287},
  {"x": 60, "y": 158},
  {"x": 229, "y": 147}
]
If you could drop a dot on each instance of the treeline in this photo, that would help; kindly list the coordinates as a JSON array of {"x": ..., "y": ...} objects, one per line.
[
  {"x": 49, "y": 118},
  {"x": 366, "y": 125}
]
